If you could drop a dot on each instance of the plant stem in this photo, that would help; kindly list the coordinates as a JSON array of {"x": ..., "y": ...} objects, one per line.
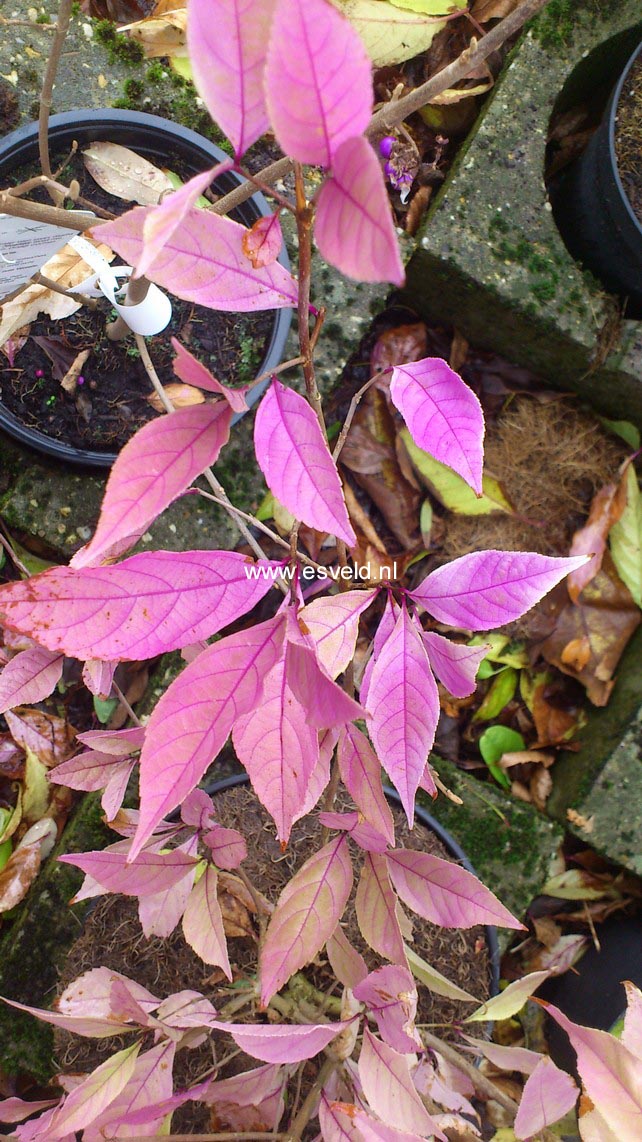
[
  {"x": 304, "y": 220},
  {"x": 244, "y": 190},
  {"x": 40, "y": 212},
  {"x": 310, "y": 1103},
  {"x": 354, "y": 404},
  {"x": 40, "y": 279},
  {"x": 62, "y": 27},
  {"x": 137, "y": 290},
  {"x": 481, "y": 1083},
  {"x": 125, "y": 704}
]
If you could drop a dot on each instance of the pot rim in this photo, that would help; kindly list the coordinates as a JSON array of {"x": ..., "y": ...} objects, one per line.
[
  {"x": 613, "y": 111},
  {"x": 24, "y": 139}
]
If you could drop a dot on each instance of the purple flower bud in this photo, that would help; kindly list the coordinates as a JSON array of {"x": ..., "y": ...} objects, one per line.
[
  {"x": 386, "y": 145},
  {"x": 80, "y": 380},
  {"x": 40, "y": 372}
]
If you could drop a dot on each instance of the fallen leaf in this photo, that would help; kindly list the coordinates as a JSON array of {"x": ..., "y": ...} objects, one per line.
[
  {"x": 578, "y": 884},
  {"x": 59, "y": 352},
  {"x": 580, "y": 822},
  {"x": 398, "y": 345},
  {"x": 562, "y": 955},
  {"x": 539, "y": 787},
  {"x": 123, "y": 173},
  {"x": 484, "y": 10},
  {"x": 454, "y": 95},
  {"x": 162, "y": 33},
  {"x": 18, "y": 875},
  {"x": 392, "y": 35},
  {"x": 49, "y": 737},
  {"x": 361, "y": 520},
  {"x": 181, "y": 396},
  {"x": 626, "y": 536},
  {"x": 15, "y": 343},
  {"x": 35, "y": 790},
  {"x": 12, "y": 759},
  {"x": 450, "y": 489},
  {"x": 458, "y": 351},
  {"x": 70, "y": 380},
  {"x": 606, "y": 508}
]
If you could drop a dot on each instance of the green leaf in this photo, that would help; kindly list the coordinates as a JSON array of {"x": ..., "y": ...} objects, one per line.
[
  {"x": 625, "y": 538},
  {"x": 425, "y": 521},
  {"x": 6, "y": 849},
  {"x": 574, "y": 884},
  {"x": 433, "y": 979},
  {"x": 510, "y": 1000},
  {"x": 494, "y": 743},
  {"x": 265, "y": 509},
  {"x": 624, "y": 429},
  {"x": 177, "y": 183},
  {"x": 450, "y": 489},
  {"x": 392, "y": 35},
  {"x": 182, "y": 67},
  {"x": 501, "y": 691},
  {"x": 10, "y": 819},
  {"x": 36, "y": 788},
  {"x": 105, "y": 709}
]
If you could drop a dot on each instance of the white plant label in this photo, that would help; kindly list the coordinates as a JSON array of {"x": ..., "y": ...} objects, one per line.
[
  {"x": 150, "y": 316},
  {"x": 25, "y": 247}
]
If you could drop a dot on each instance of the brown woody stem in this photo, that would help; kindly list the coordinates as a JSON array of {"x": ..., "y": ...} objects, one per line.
[{"x": 62, "y": 27}]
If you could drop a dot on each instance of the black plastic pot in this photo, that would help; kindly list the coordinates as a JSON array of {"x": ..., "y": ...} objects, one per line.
[
  {"x": 429, "y": 822},
  {"x": 594, "y": 215},
  {"x": 158, "y": 140}
]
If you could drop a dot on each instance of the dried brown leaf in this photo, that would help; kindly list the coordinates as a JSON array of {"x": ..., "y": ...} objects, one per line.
[
  {"x": 484, "y": 10},
  {"x": 15, "y": 343},
  {"x": 18, "y": 875},
  {"x": 121, "y": 172},
  {"x": 607, "y": 507},
  {"x": 181, "y": 396},
  {"x": 162, "y": 33},
  {"x": 540, "y": 785},
  {"x": 49, "y": 737}
]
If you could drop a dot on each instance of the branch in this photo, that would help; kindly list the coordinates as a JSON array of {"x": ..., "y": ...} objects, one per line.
[
  {"x": 62, "y": 27},
  {"x": 481, "y": 1084},
  {"x": 40, "y": 212}
]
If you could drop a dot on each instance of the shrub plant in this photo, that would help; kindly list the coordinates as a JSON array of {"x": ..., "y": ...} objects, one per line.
[{"x": 283, "y": 688}]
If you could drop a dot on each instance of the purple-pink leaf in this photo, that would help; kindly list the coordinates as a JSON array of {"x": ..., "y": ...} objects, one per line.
[
  {"x": 454, "y": 663},
  {"x": 158, "y": 464},
  {"x": 361, "y": 832},
  {"x": 162, "y": 221},
  {"x": 263, "y": 241},
  {"x": 198, "y": 810},
  {"x": 89, "y": 771},
  {"x": 389, "y": 1089},
  {"x": 144, "y": 606},
  {"x": 192, "y": 372},
  {"x": 297, "y": 464},
  {"x": 506, "y": 1058},
  {"x": 160, "y": 912},
  {"x": 382, "y": 634},
  {"x": 28, "y": 677},
  {"x": 346, "y": 962},
  {"x": 326, "y": 703},
  {"x": 17, "y": 1109},
  {"x": 227, "y": 41},
  {"x": 91, "y": 994},
  {"x": 193, "y": 719},
  {"x": 282, "y": 1043},
  {"x": 361, "y": 774},
  {"x": 91, "y": 1098},
  {"x": 487, "y": 589},
  {"x": 376, "y": 908},
  {"x": 345, "y": 1122},
  {"x": 355, "y": 229},
  {"x": 318, "y": 80},
  {"x": 151, "y": 872},
  {"x": 306, "y": 915},
  {"x": 391, "y": 995},
  {"x": 118, "y": 742},
  {"x": 632, "y": 1031},
  {"x": 204, "y": 262},
  {"x": 93, "y": 1027},
  {"x": 548, "y": 1095},
  {"x": 98, "y": 677},
  {"x": 227, "y": 847},
  {"x": 444, "y": 893},
  {"x": 185, "y": 1010},
  {"x": 403, "y": 703},
  {"x": 610, "y": 1073},
  {"x": 333, "y": 623},
  {"x": 443, "y": 415},
  {"x": 149, "y": 1086},
  {"x": 203, "y": 923}
]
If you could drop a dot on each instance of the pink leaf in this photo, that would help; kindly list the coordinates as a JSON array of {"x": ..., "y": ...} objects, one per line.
[
  {"x": 17, "y": 1109},
  {"x": 632, "y": 1032},
  {"x": 282, "y": 1043},
  {"x": 92, "y": 994},
  {"x": 158, "y": 464},
  {"x": 161, "y": 222},
  {"x": 227, "y": 41},
  {"x": 98, "y": 677},
  {"x": 307, "y": 913},
  {"x": 355, "y": 230},
  {"x": 443, "y": 414},
  {"x": 361, "y": 774},
  {"x": 203, "y": 923},
  {"x": 263, "y": 241},
  {"x": 360, "y": 831},
  {"x": 376, "y": 909},
  {"x": 391, "y": 995},
  {"x": 118, "y": 742},
  {"x": 29, "y": 677},
  {"x": 150, "y": 1085},
  {"x": 228, "y": 847},
  {"x": 610, "y": 1073},
  {"x": 186, "y": 1010},
  {"x": 389, "y": 1089},
  {"x": 297, "y": 464},
  {"x": 193, "y": 719},
  {"x": 454, "y": 663},
  {"x": 152, "y": 872},
  {"x": 506, "y": 1058},
  {"x": 443, "y": 892},
  {"x": 160, "y": 912},
  {"x": 93, "y": 1027},
  {"x": 144, "y": 606},
  {"x": 190, "y": 370},
  {"x": 487, "y": 589},
  {"x": 548, "y": 1095},
  {"x": 333, "y": 623},
  {"x": 91, "y": 1098},
  {"x": 403, "y": 703},
  {"x": 326, "y": 703},
  {"x": 198, "y": 809},
  {"x": 344, "y": 1122},
  {"x": 382, "y": 634},
  {"x": 318, "y": 80},
  {"x": 251, "y": 1101},
  {"x": 346, "y": 962},
  {"x": 89, "y": 771},
  {"x": 204, "y": 262}
]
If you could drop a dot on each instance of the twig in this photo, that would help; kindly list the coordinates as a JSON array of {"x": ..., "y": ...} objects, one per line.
[
  {"x": 36, "y": 183},
  {"x": 261, "y": 185},
  {"x": 481, "y": 1083},
  {"x": 62, "y": 27},
  {"x": 309, "y": 1104},
  {"x": 13, "y": 557},
  {"x": 245, "y": 190},
  {"x": 304, "y": 220},
  {"x": 41, "y": 212},
  {"x": 41, "y": 279},
  {"x": 125, "y": 704},
  {"x": 354, "y": 404}
]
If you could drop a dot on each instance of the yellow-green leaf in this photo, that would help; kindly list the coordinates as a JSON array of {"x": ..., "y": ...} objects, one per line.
[
  {"x": 36, "y": 789},
  {"x": 625, "y": 538},
  {"x": 390, "y": 35},
  {"x": 509, "y": 1001},
  {"x": 499, "y": 694},
  {"x": 574, "y": 884},
  {"x": 434, "y": 980},
  {"x": 430, "y": 7},
  {"x": 453, "y": 492},
  {"x": 11, "y": 818}
]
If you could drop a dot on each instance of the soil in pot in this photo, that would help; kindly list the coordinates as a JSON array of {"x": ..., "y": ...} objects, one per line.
[
  {"x": 112, "y": 937},
  {"x": 628, "y": 137},
  {"x": 111, "y": 402}
]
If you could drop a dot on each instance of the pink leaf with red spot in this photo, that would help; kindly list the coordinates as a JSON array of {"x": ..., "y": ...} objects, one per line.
[
  {"x": 190, "y": 370},
  {"x": 297, "y": 464},
  {"x": 443, "y": 414},
  {"x": 445, "y": 893},
  {"x": 403, "y": 703},
  {"x": 317, "y": 79},
  {"x": 345, "y": 1122},
  {"x": 487, "y": 589},
  {"x": 193, "y": 719},
  {"x": 326, "y": 703},
  {"x": 158, "y": 464},
  {"x": 307, "y": 913},
  {"x": 389, "y": 1089},
  {"x": 282, "y": 1043},
  {"x": 227, "y": 41},
  {"x": 361, "y": 774},
  {"x": 346, "y": 962},
  {"x": 355, "y": 230},
  {"x": 263, "y": 241},
  {"x": 391, "y": 995},
  {"x": 144, "y": 606},
  {"x": 251, "y": 1101},
  {"x": 98, "y": 677},
  {"x": 152, "y": 872},
  {"x": 161, "y": 222},
  {"x": 376, "y": 908},
  {"x": 204, "y": 262},
  {"x": 333, "y": 623},
  {"x": 548, "y": 1095},
  {"x": 203, "y": 923},
  {"x": 227, "y": 847},
  {"x": 29, "y": 677},
  {"x": 454, "y": 663}
]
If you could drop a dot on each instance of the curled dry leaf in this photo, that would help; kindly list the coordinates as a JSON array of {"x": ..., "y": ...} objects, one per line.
[
  {"x": 484, "y": 10},
  {"x": 17, "y": 876},
  {"x": 606, "y": 509},
  {"x": 181, "y": 396},
  {"x": 70, "y": 380},
  {"x": 123, "y": 173},
  {"x": 162, "y": 33},
  {"x": 49, "y": 737}
]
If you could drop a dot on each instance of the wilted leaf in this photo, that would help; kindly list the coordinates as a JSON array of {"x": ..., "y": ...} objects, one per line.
[
  {"x": 237, "y": 906},
  {"x": 50, "y": 738},
  {"x": 392, "y": 35},
  {"x": 181, "y": 396},
  {"x": 626, "y": 537},
  {"x": 450, "y": 489},
  {"x": 398, "y": 345},
  {"x": 162, "y": 33},
  {"x": 606, "y": 509},
  {"x": 262, "y": 242},
  {"x": 562, "y": 955},
  {"x": 17, "y": 876},
  {"x": 123, "y": 173}
]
